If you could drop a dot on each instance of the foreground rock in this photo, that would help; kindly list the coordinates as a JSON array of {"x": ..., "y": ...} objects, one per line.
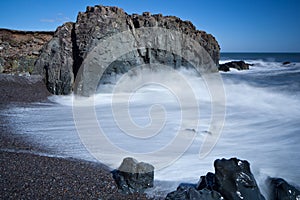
[
  {"x": 239, "y": 65},
  {"x": 73, "y": 43},
  {"x": 133, "y": 176},
  {"x": 281, "y": 190},
  {"x": 232, "y": 180}
]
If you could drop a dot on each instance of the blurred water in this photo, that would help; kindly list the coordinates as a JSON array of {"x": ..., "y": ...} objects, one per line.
[{"x": 262, "y": 124}]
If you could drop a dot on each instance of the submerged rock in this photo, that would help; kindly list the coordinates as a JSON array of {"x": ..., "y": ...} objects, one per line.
[
  {"x": 281, "y": 190},
  {"x": 234, "y": 180},
  {"x": 73, "y": 43},
  {"x": 133, "y": 176},
  {"x": 239, "y": 65}
]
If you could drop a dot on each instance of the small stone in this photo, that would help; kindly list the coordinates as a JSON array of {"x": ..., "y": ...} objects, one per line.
[{"x": 35, "y": 53}]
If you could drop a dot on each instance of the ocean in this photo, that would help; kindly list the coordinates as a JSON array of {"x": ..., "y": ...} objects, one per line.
[{"x": 261, "y": 121}]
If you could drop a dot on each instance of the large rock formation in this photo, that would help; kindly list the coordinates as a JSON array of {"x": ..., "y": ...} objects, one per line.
[
  {"x": 20, "y": 49},
  {"x": 76, "y": 46}
]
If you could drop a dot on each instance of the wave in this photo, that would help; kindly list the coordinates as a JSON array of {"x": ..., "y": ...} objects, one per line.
[{"x": 261, "y": 65}]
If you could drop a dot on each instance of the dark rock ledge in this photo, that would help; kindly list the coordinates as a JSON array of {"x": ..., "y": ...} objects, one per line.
[{"x": 239, "y": 65}]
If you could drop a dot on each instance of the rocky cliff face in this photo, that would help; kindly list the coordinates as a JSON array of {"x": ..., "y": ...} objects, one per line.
[
  {"x": 20, "y": 49},
  {"x": 73, "y": 43}
]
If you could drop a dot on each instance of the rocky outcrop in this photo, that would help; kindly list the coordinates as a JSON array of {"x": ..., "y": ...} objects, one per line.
[
  {"x": 73, "y": 47},
  {"x": 232, "y": 180},
  {"x": 56, "y": 61},
  {"x": 133, "y": 176},
  {"x": 20, "y": 49},
  {"x": 239, "y": 65}
]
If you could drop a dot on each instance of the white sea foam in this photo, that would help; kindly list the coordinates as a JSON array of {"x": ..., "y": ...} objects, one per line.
[{"x": 262, "y": 126}]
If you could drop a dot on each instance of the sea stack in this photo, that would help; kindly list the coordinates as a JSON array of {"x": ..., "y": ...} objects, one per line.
[{"x": 73, "y": 43}]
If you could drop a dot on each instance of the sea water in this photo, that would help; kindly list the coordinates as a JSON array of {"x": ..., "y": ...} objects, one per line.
[{"x": 262, "y": 121}]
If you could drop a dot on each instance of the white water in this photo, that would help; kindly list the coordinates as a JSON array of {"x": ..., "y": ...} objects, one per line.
[{"x": 262, "y": 126}]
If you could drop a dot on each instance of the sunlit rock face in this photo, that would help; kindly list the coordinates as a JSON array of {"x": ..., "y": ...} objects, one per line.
[{"x": 77, "y": 46}]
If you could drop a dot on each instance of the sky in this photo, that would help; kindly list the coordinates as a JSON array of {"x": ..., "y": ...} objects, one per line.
[{"x": 238, "y": 25}]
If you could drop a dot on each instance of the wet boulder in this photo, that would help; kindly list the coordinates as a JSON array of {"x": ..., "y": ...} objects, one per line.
[
  {"x": 133, "y": 176},
  {"x": 234, "y": 180},
  {"x": 282, "y": 190}
]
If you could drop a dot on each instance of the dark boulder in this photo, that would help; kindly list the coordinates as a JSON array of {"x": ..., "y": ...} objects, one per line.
[
  {"x": 224, "y": 68},
  {"x": 188, "y": 192},
  {"x": 234, "y": 180},
  {"x": 133, "y": 176},
  {"x": 239, "y": 65},
  {"x": 281, "y": 190}
]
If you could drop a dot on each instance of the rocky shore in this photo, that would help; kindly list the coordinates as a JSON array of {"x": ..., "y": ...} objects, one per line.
[{"x": 28, "y": 171}]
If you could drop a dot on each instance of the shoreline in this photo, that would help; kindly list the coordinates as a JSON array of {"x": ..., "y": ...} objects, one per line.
[{"x": 28, "y": 172}]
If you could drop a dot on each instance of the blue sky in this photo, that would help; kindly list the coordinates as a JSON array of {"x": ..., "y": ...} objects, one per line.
[{"x": 238, "y": 25}]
